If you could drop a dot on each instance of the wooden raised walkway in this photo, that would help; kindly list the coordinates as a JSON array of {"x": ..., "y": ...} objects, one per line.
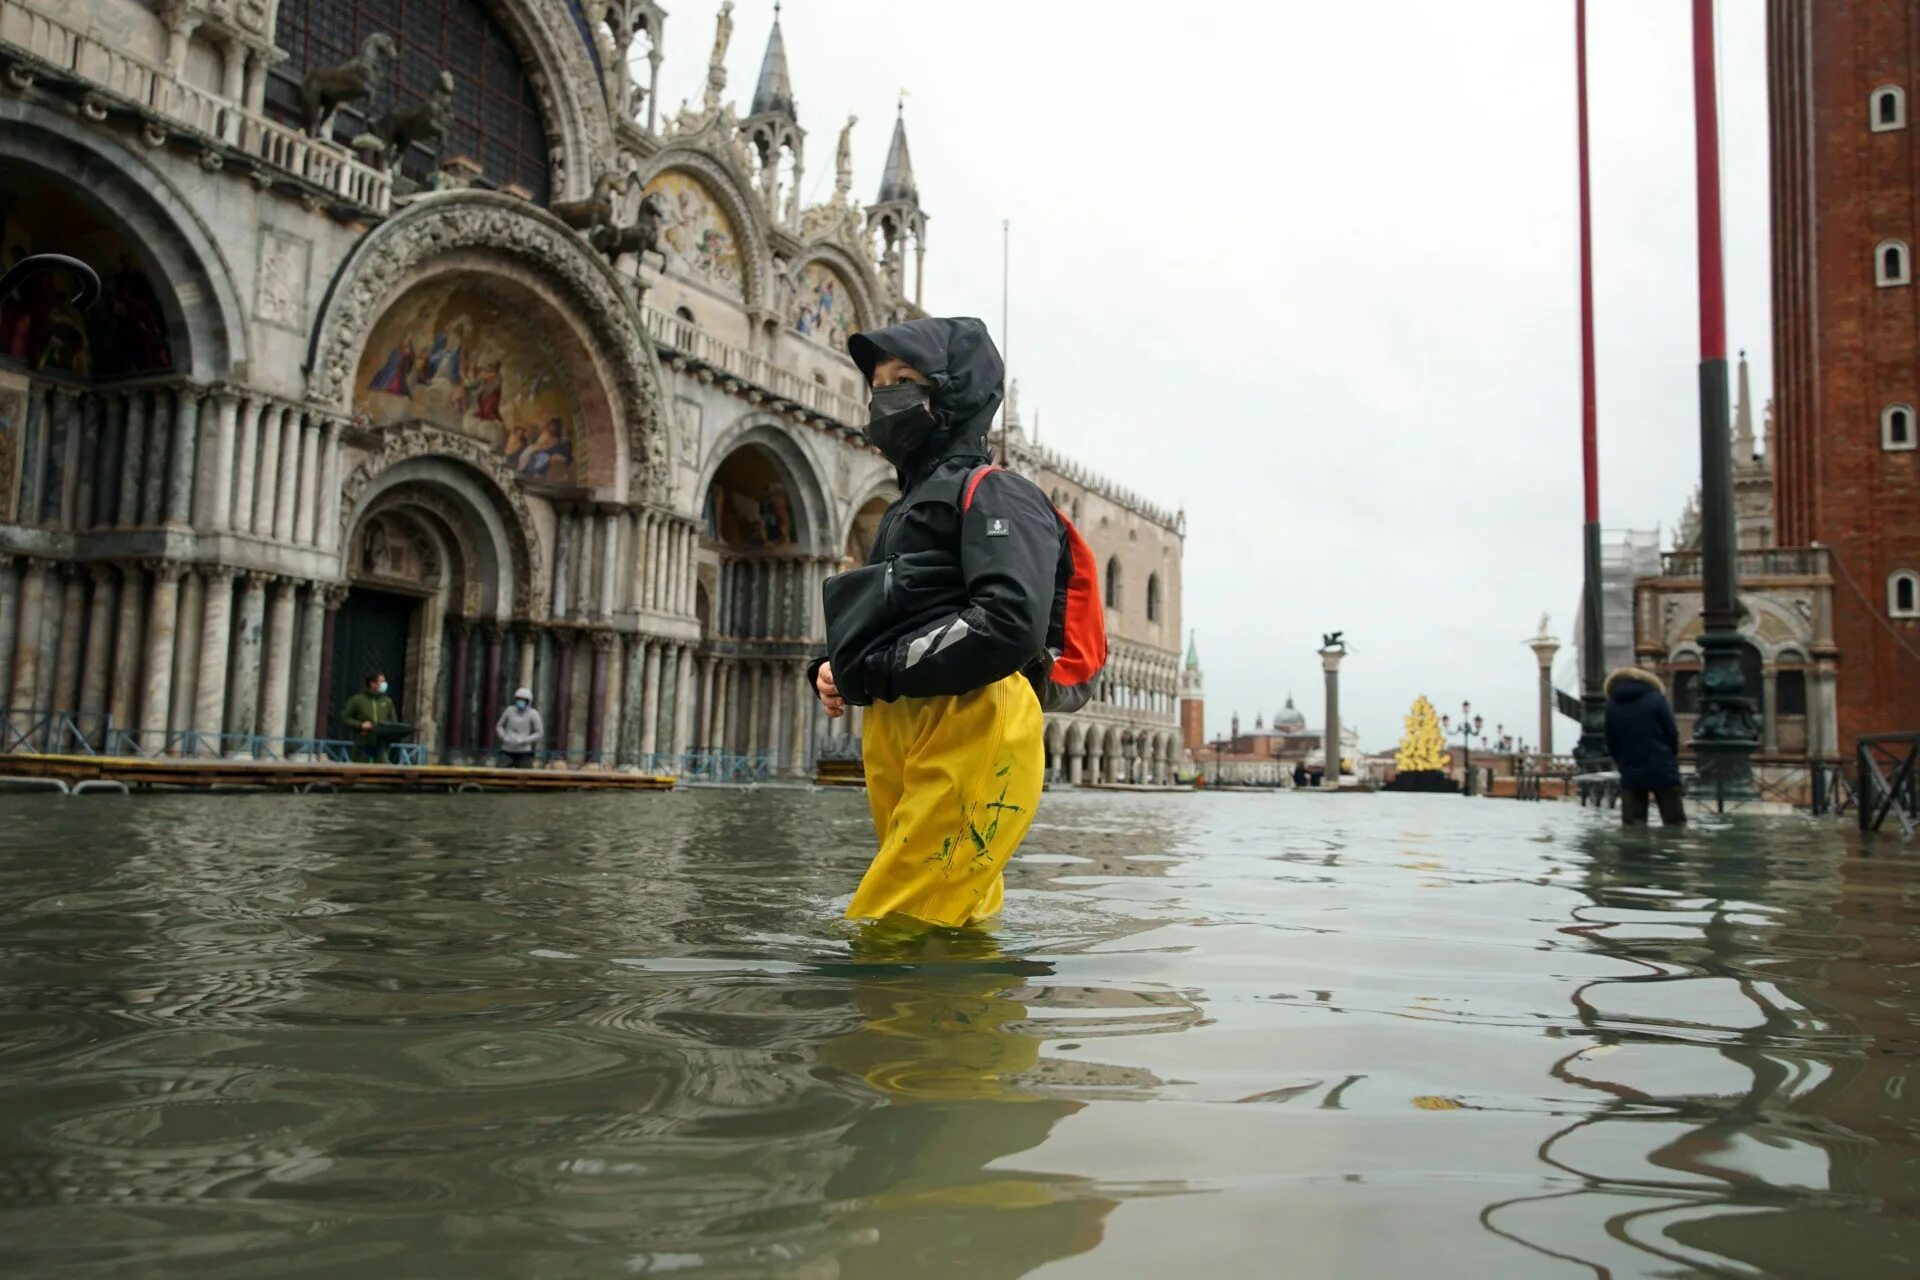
[{"x": 139, "y": 773}]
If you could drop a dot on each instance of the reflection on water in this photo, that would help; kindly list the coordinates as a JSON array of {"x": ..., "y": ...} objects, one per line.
[{"x": 1212, "y": 1036}]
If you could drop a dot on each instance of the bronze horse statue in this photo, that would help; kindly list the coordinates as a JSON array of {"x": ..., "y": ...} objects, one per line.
[{"x": 327, "y": 89}]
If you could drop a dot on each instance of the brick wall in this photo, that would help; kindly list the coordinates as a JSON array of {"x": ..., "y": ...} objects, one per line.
[{"x": 1845, "y": 347}]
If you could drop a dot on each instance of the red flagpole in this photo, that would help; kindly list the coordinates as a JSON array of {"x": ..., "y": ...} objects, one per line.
[{"x": 1591, "y": 750}]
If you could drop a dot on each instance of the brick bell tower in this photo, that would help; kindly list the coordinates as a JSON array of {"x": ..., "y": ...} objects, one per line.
[{"x": 1193, "y": 702}]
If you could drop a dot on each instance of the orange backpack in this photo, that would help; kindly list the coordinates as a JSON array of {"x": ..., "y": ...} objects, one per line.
[{"x": 1077, "y": 625}]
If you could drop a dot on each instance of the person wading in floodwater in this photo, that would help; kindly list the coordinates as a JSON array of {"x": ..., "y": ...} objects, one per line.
[
  {"x": 977, "y": 605},
  {"x": 1644, "y": 742}
]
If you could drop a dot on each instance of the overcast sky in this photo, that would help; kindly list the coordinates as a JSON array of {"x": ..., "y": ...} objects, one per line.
[{"x": 1310, "y": 271}]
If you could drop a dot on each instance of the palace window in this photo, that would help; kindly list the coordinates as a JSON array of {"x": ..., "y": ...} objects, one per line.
[
  {"x": 1790, "y": 693},
  {"x": 496, "y": 114},
  {"x": 1896, "y": 427},
  {"x": 1113, "y": 582},
  {"x": 1903, "y": 593},
  {"x": 1153, "y": 597},
  {"x": 1891, "y": 265},
  {"x": 1889, "y": 108}
]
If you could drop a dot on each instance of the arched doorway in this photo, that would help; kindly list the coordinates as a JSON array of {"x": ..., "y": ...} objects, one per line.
[
  {"x": 433, "y": 563},
  {"x": 761, "y": 531}
]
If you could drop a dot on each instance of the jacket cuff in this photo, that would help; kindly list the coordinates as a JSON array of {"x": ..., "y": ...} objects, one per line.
[{"x": 877, "y": 668}]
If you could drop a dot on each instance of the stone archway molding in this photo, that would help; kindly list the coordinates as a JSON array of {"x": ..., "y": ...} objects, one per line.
[
  {"x": 734, "y": 191},
  {"x": 481, "y": 487},
  {"x": 386, "y": 261},
  {"x": 195, "y": 283},
  {"x": 796, "y": 467}
]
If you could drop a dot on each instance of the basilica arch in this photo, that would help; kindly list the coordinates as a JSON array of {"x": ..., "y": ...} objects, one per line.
[
  {"x": 530, "y": 258},
  {"x": 723, "y": 182},
  {"x": 166, "y": 240}
]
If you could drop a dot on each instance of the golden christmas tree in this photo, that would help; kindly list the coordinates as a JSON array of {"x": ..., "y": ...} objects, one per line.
[{"x": 1423, "y": 750}]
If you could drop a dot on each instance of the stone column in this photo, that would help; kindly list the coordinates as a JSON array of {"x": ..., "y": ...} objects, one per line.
[
  {"x": 153, "y": 478},
  {"x": 307, "y": 497},
  {"x": 1330, "y": 663},
  {"x": 719, "y": 740},
  {"x": 162, "y": 610},
  {"x": 602, "y": 642},
  {"x": 243, "y": 710},
  {"x": 272, "y": 430},
  {"x": 669, "y": 684},
  {"x": 709, "y": 692},
  {"x": 186, "y": 657},
  {"x": 97, "y": 668},
  {"x": 9, "y": 625},
  {"x": 123, "y": 698},
  {"x": 330, "y": 598},
  {"x": 609, "y": 564},
  {"x": 286, "y": 489},
  {"x": 24, "y": 695},
  {"x": 213, "y": 497},
  {"x": 133, "y": 449},
  {"x": 216, "y": 634},
  {"x": 650, "y": 700},
  {"x": 586, "y": 566},
  {"x": 303, "y": 701},
  {"x": 633, "y": 682},
  {"x": 457, "y": 691},
  {"x": 186, "y": 433},
  {"x": 1544, "y": 647},
  {"x": 637, "y": 560},
  {"x": 276, "y": 687},
  {"x": 495, "y": 632},
  {"x": 109, "y": 460},
  {"x": 1769, "y": 711},
  {"x": 752, "y": 740},
  {"x": 246, "y": 464},
  {"x": 65, "y": 690},
  {"x": 657, "y": 557},
  {"x": 682, "y": 569},
  {"x": 85, "y": 429},
  {"x": 328, "y": 534},
  {"x": 683, "y": 699},
  {"x": 562, "y": 718},
  {"x": 562, "y": 562},
  {"x": 802, "y": 718},
  {"x": 524, "y": 659}
]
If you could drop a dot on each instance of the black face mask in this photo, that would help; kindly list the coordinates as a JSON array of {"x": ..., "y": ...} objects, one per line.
[{"x": 901, "y": 421}]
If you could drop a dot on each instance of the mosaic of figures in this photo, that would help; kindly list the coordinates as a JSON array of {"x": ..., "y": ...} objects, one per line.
[
  {"x": 456, "y": 356},
  {"x": 696, "y": 234},
  {"x": 747, "y": 504},
  {"x": 124, "y": 334},
  {"x": 823, "y": 307}
]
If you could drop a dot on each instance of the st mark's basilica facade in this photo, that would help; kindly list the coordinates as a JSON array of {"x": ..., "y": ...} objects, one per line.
[{"x": 429, "y": 341}]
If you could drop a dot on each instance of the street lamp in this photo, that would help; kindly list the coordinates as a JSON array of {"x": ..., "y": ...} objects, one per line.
[
  {"x": 1219, "y": 746},
  {"x": 86, "y": 283},
  {"x": 1470, "y": 724}
]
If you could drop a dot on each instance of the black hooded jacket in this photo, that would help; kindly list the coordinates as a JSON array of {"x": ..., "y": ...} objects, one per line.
[
  {"x": 947, "y": 603},
  {"x": 1642, "y": 737}
]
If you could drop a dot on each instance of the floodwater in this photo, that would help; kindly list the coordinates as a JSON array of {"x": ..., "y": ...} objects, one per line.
[{"x": 1212, "y": 1036}]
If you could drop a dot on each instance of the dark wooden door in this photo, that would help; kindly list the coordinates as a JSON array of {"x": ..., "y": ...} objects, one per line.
[{"x": 370, "y": 635}]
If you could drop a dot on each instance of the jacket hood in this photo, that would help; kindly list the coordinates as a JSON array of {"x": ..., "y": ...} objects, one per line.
[
  {"x": 524, "y": 693},
  {"x": 1624, "y": 678},
  {"x": 959, "y": 358}
]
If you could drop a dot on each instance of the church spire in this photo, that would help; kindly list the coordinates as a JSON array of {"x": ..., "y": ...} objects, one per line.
[
  {"x": 1193, "y": 648},
  {"x": 773, "y": 94},
  {"x": 896, "y": 181},
  {"x": 1744, "y": 448}
]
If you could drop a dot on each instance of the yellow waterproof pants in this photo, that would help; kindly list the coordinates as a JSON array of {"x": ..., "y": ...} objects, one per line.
[{"x": 953, "y": 783}]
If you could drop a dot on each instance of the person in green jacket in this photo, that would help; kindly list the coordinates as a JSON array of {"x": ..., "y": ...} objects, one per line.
[{"x": 370, "y": 707}]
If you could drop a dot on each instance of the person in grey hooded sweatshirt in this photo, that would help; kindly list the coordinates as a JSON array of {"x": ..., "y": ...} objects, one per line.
[{"x": 520, "y": 730}]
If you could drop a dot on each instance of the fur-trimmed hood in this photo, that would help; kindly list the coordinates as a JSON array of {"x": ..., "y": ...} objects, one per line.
[{"x": 1641, "y": 674}]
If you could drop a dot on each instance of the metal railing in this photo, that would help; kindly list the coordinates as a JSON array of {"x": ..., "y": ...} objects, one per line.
[
  {"x": 153, "y": 90},
  {"x": 1889, "y": 780},
  {"x": 1772, "y": 562},
  {"x": 67, "y": 733},
  {"x": 1531, "y": 771},
  {"x": 690, "y": 340}
]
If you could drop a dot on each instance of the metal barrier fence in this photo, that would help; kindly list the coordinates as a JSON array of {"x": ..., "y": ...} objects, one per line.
[
  {"x": 62, "y": 733},
  {"x": 1889, "y": 780}
]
